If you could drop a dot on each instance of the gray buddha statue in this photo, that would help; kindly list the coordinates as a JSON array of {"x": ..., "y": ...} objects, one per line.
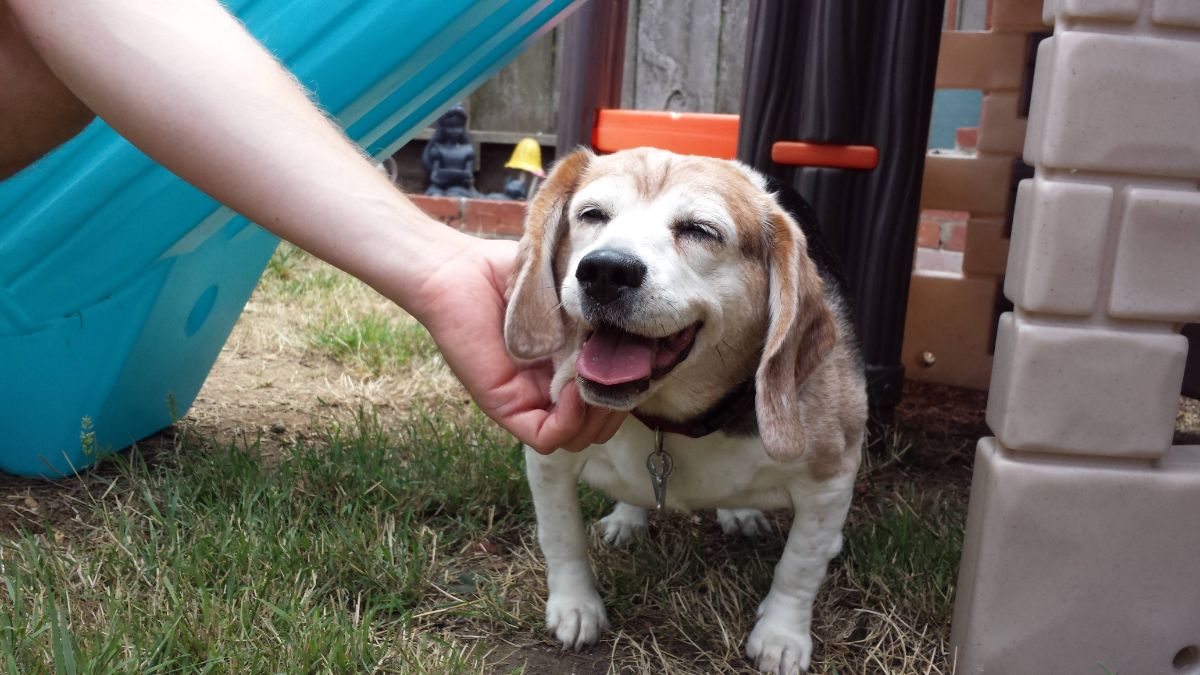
[{"x": 449, "y": 157}]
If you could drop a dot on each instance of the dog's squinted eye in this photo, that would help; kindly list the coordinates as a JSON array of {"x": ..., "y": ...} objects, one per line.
[
  {"x": 593, "y": 215},
  {"x": 699, "y": 230}
]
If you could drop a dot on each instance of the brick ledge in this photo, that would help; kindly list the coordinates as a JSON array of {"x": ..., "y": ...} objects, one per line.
[{"x": 492, "y": 218}]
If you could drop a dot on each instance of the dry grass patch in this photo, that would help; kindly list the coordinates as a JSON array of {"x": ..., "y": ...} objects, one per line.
[{"x": 313, "y": 345}]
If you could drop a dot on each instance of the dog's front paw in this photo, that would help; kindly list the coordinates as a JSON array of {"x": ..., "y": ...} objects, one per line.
[
  {"x": 576, "y": 618},
  {"x": 780, "y": 642},
  {"x": 779, "y": 649},
  {"x": 623, "y": 524},
  {"x": 746, "y": 522}
]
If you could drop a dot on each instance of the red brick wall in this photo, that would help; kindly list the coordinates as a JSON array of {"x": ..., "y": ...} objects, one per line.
[
  {"x": 941, "y": 238},
  {"x": 484, "y": 217}
]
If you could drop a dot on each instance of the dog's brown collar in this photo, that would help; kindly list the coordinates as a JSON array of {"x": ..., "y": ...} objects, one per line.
[{"x": 732, "y": 406}]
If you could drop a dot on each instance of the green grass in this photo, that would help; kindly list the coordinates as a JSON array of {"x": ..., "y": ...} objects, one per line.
[
  {"x": 342, "y": 318},
  {"x": 291, "y": 273},
  {"x": 375, "y": 342},
  {"x": 905, "y": 547},
  {"x": 212, "y": 561}
]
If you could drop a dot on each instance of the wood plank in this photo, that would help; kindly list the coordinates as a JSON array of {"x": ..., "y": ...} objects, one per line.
[
  {"x": 523, "y": 96},
  {"x": 731, "y": 57},
  {"x": 677, "y": 55},
  {"x": 629, "y": 74}
]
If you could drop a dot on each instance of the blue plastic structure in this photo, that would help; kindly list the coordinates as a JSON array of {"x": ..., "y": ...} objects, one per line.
[{"x": 119, "y": 283}]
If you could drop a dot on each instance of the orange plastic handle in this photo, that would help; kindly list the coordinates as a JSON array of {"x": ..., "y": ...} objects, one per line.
[
  {"x": 705, "y": 134},
  {"x": 797, "y": 153},
  {"x": 713, "y": 135}
]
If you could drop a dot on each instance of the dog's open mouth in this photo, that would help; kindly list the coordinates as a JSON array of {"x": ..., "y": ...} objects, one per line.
[{"x": 621, "y": 362}]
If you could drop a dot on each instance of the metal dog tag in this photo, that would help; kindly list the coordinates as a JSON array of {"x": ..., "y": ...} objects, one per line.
[{"x": 659, "y": 464}]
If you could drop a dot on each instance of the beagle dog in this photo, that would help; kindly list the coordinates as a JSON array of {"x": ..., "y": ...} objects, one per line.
[{"x": 679, "y": 288}]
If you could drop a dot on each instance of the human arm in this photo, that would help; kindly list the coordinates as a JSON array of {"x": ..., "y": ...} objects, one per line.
[{"x": 184, "y": 82}]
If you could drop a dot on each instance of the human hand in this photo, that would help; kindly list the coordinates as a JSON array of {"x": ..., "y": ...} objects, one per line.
[{"x": 462, "y": 304}]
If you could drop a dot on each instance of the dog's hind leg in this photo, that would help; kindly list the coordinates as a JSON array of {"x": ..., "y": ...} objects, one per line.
[
  {"x": 746, "y": 522},
  {"x": 574, "y": 610},
  {"x": 780, "y": 641},
  {"x": 624, "y": 523}
]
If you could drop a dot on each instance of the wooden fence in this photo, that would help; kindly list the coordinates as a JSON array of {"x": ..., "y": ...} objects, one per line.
[{"x": 681, "y": 55}]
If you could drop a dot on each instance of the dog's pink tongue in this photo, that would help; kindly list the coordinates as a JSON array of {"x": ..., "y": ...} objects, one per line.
[{"x": 615, "y": 357}]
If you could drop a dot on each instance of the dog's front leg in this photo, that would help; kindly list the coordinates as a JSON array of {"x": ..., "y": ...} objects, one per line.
[
  {"x": 574, "y": 610},
  {"x": 781, "y": 641}
]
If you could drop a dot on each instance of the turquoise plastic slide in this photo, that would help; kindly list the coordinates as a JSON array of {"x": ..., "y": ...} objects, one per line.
[{"x": 119, "y": 283}]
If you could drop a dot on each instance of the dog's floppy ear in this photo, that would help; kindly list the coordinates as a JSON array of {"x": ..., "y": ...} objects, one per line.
[
  {"x": 800, "y": 333},
  {"x": 533, "y": 323}
]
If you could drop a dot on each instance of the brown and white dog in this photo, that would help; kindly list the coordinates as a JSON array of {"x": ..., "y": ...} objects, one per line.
[{"x": 679, "y": 288}]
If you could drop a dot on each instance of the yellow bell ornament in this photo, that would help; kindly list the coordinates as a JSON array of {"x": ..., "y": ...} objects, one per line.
[{"x": 527, "y": 156}]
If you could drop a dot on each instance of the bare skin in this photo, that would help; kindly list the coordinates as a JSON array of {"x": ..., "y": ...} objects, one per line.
[
  {"x": 239, "y": 127},
  {"x": 37, "y": 111}
]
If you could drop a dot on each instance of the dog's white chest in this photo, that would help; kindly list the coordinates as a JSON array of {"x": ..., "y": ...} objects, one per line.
[{"x": 716, "y": 471}]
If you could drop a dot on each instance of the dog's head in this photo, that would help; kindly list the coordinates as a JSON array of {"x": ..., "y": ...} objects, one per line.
[{"x": 669, "y": 280}]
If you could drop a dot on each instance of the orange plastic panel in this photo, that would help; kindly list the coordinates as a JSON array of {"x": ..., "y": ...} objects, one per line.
[
  {"x": 820, "y": 154},
  {"x": 705, "y": 134}
]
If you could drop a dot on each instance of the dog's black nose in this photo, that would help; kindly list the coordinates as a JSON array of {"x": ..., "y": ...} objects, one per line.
[{"x": 605, "y": 274}]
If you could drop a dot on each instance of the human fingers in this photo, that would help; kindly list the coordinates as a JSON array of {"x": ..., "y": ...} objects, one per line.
[
  {"x": 612, "y": 423},
  {"x": 562, "y": 423},
  {"x": 594, "y": 423}
]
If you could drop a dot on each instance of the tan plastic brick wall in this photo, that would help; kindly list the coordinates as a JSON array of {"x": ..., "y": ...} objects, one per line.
[
  {"x": 1082, "y": 549},
  {"x": 949, "y": 326}
]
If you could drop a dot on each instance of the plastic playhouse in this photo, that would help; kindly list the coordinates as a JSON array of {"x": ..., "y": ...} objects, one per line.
[
  {"x": 119, "y": 283},
  {"x": 1081, "y": 548}
]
